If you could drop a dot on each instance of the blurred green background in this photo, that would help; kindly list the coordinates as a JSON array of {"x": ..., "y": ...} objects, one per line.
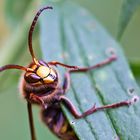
[{"x": 13, "y": 116}]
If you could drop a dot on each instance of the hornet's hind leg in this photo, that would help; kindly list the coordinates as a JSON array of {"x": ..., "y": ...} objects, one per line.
[{"x": 94, "y": 109}]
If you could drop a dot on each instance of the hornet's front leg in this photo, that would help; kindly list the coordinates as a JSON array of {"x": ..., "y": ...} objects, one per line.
[
  {"x": 36, "y": 99},
  {"x": 31, "y": 122}
]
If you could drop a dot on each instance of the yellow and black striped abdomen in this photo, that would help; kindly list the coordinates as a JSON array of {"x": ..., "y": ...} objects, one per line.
[{"x": 54, "y": 118}]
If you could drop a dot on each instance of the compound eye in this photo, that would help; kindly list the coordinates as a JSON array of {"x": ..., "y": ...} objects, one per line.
[{"x": 32, "y": 78}]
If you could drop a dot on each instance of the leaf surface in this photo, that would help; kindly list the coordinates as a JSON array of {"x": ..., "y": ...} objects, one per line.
[
  {"x": 128, "y": 9},
  {"x": 16, "y": 47},
  {"x": 69, "y": 34},
  {"x": 15, "y": 10}
]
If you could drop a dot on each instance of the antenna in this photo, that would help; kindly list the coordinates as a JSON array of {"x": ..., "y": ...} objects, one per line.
[
  {"x": 6, "y": 67},
  {"x": 31, "y": 32},
  {"x": 11, "y": 66}
]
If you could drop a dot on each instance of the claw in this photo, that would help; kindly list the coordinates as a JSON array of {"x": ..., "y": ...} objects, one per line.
[
  {"x": 37, "y": 99},
  {"x": 93, "y": 108},
  {"x": 44, "y": 106},
  {"x": 113, "y": 57},
  {"x": 134, "y": 99}
]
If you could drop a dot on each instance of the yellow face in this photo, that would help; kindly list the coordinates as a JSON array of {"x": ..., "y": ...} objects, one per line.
[
  {"x": 47, "y": 74},
  {"x": 41, "y": 73}
]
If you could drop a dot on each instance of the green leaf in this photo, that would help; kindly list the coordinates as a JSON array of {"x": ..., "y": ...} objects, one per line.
[
  {"x": 135, "y": 67},
  {"x": 16, "y": 47},
  {"x": 138, "y": 80},
  {"x": 70, "y": 34},
  {"x": 14, "y": 117},
  {"x": 128, "y": 9},
  {"x": 15, "y": 10}
]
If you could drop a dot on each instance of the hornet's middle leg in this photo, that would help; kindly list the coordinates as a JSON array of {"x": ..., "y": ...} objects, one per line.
[{"x": 66, "y": 83}]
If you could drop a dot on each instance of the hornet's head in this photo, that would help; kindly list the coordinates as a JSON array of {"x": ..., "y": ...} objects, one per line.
[{"x": 40, "y": 74}]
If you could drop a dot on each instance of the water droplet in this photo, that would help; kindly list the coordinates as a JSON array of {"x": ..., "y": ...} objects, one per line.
[
  {"x": 65, "y": 55},
  {"x": 116, "y": 138},
  {"x": 111, "y": 51},
  {"x": 72, "y": 122},
  {"x": 134, "y": 99},
  {"x": 90, "y": 56},
  {"x": 131, "y": 91},
  {"x": 102, "y": 75}
]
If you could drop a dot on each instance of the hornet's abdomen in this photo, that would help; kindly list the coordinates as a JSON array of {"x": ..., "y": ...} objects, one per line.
[{"x": 54, "y": 118}]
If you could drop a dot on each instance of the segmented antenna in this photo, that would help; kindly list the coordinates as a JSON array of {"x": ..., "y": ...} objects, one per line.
[
  {"x": 32, "y": 29},
  {"x": 6, "y": 67},
  {"x": 11, "y": 66}
]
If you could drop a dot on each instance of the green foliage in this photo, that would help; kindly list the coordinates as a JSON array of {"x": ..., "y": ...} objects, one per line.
[
  {"x": 71, "y": 35},
  {"x": 15, "y": 10},
  {"x": 75, "y": 37},
  {"x": 136, "y": 67},
  {"x": 15, "y": 47},
  {"x": 128, "y": 9}
]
